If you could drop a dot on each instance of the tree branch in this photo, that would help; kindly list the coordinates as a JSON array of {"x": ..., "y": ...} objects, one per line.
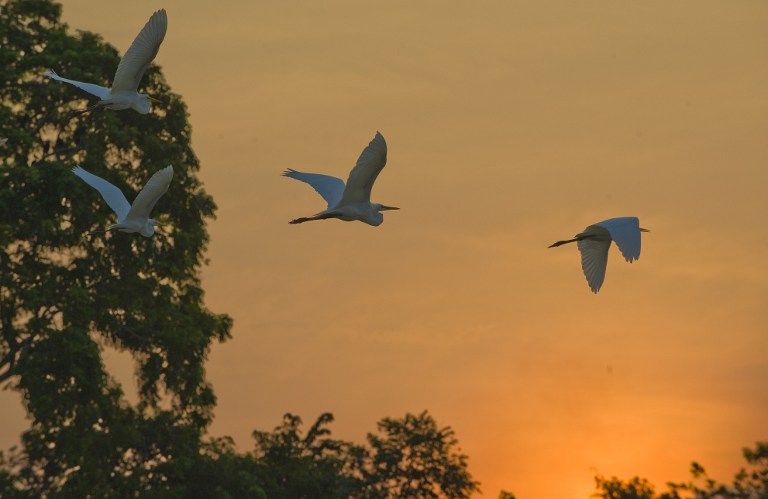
[{"x": 11, "y": 357}]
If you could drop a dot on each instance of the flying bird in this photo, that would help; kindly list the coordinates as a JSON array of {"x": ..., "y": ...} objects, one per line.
[
  {"x": 131, "y": 217},
  {"x": 596, "y": 239},
  {"x": 353, "y": 201},
  {"x": 124, "y": 92}
]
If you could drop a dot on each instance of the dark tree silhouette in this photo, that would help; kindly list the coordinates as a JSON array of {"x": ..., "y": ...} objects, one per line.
[
  {"x": 65, "y": 295},
  {"x": 410, "y": 457},
  {"x": 293, "y": 465},
  {"x": 413, "y": 457},
  {"x": 749, "y": 483}
]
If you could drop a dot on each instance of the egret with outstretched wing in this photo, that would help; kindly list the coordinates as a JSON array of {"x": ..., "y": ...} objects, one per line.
[
  {"x": 353, "y": 201},
  {"x": 594, "y": 242},
  {"x": 131, "y": 217},
  {"x": 124, "y": 92}
]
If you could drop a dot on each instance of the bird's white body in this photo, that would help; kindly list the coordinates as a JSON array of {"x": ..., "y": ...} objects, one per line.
[
  {"x": 351, "y": 201},
  {"x": 124, "y": 92},
  {"x": 364, "y": 212},
  {"x": 595, "y": 241},
  {"x": 131, "y": 217}
]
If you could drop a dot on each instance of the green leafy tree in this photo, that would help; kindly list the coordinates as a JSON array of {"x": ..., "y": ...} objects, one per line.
[
  {"x": 613, "y": 488},
  {"x": 293, "y": 466},
  {"x": 65, "y": 296},
  {"x": 410, "y": 457},
  {"x": 413, "y": 457},
  {"x": 749, "y": 483},
  {"x": 221, "y": 472}
]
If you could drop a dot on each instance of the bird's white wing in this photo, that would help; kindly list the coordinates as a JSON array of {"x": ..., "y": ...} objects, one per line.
[
  {"x": 363, "y": 175},
  {"x": 594, "y": 260},
  {"x": 626, "y": 232},
  {"x": 331, "y": 188},
  {"x": 141, "y": 53},
  {"x": 111, "y": 194},
  {"x": 156, "y": 186},
  {"x": 100, "y": 92}
]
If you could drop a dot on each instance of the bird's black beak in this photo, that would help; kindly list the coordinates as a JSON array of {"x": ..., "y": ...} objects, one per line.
[
  {"x": 644, "y": 230},
  {"x": 383, "y": 208}
]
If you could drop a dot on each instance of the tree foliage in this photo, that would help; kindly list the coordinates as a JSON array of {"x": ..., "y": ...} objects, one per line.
[
  {"x": 412, "y": 457},
  {"x": 409, "y": 457},
  {"x": 65, "y": 296},
  {"x": 293, "y": 465},
  {"x": 613, "y": 488},
  {"x": 749, "y": 483}
]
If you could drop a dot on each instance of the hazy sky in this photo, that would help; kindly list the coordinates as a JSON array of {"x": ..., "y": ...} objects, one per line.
[{"x": 510, "y": 125}]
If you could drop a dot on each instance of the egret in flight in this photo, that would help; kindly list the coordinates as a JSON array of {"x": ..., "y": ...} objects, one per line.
[
  {"x": 135, "y": 217},
  {"x": 353, "y": 201},
  {"x": 596, "y": 239},
  {"x": 124, "y": 93}
]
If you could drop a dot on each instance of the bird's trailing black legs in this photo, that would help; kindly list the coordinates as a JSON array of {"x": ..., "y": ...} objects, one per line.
[
  {"x": 300, "y": 220},
  {"x": 560, "y": 243},
  {"x": 321, "y": 216},
  {"x": 577, "y": 238},
  {"x": 97, "y": 231},
  {"x": 77, "y": 112}
]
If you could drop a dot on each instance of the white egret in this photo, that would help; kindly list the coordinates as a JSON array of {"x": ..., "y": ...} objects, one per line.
[
  {"x": 135, "y": 217},
  {"x": 124, "y": 94},
  {"x": 596, "y": 239},
  {"x": 353, "y": 201}
]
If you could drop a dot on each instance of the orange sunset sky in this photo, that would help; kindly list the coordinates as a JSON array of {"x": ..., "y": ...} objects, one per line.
[{"x": 510, "y": 125}]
